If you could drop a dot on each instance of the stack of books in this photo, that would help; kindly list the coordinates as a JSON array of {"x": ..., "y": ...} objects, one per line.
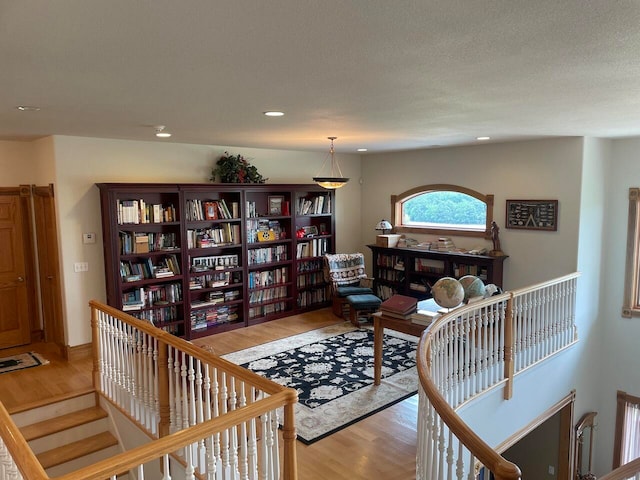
[
  {"x": 445, "y": 244},
  {"x": 399, "y": 306},
  {"x": 424, "y": 317}
]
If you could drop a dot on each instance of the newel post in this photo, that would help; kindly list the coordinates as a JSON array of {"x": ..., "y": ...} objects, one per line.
[
  {"x": 163, "y": 389},
  {"x": 290, "y": 461},
  {"x": 508, "y": 349},
  {"x": 95, "y": 348}
]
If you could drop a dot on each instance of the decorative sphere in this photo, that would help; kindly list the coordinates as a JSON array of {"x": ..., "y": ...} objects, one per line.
[
  {"x": 447, "y": 292},
  {"x": 473, "y": 287}
]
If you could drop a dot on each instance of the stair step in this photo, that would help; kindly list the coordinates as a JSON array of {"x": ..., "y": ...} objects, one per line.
[
  {"x": 74, "y": 450},
  {"x": 56, "y": 406},
  {"x": 64, "y": 422}
]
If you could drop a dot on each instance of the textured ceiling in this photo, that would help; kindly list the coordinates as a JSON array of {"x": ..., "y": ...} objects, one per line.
[{"x": 385, "y": 75}]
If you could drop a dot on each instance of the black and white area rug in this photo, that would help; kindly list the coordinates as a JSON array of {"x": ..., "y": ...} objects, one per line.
[{"x": 332, "y": 370}]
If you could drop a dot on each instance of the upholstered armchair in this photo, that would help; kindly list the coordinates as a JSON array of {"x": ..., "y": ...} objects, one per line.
[{"x": 346, "y": 274}]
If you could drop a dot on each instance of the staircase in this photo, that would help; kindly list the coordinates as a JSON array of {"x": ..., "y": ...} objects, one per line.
[{"x": 67, "y": 433}]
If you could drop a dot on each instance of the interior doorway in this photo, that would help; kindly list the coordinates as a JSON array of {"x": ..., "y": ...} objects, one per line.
[
  {"x": 48, "y": 264},
  {"x": 30, "y": 288},
  {"x": 544, "y": 449},
  {"x": 18, "y": 310}
]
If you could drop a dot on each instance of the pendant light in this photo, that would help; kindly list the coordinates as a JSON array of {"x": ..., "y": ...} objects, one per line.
[{"x": 335, "y": 178}]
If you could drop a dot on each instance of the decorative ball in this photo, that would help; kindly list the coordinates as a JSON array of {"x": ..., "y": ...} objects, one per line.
[
  {"x": 448, "y": 292},
  {"x": 473, "y": 287}
]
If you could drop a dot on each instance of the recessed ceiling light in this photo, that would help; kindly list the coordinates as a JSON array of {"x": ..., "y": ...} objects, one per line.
[
  {"x": 28, "y": 108},
  {"x": 160, "y": 133},
  {"x": 274, "y": 114},
  {"x": 362, "y": 150},
  {"x": 483, "y": 138}
]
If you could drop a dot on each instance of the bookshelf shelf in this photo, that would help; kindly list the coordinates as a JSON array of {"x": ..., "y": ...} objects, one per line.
[
  {"x": 411, "y": 271},
  {"x": 209, "y": 231}
]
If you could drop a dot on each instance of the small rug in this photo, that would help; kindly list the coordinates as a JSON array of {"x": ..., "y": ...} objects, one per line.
[
  {"x": 332, "y": 370},
  {"x": 21, "y": 361}
]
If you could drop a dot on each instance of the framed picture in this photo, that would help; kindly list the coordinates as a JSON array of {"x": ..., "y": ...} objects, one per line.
[
  {"x": 210, "y": 210},
  {"x": 275, "y": 204},
  {"x": 532, "y": 214}
]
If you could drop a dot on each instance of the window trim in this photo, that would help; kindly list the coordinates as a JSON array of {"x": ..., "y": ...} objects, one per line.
[
  {"x": 622, "y": 400},
  {"x": 396, "y": 210},
  {"x": 631, "y": 305}
]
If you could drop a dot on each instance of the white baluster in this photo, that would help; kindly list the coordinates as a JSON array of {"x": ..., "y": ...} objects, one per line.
[
  {"x": 172, "y": 411},
  {"x": 166, "y": 467}
]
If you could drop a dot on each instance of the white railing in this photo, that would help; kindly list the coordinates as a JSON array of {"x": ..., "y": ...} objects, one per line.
[
  {"x": 477, "y": 348},
  {"x": 205, "y": 417}
]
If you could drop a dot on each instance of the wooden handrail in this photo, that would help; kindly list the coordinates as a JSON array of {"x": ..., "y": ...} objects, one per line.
[
  {"x": 20, "y": 451},
  {"x": 440, "y": 332},
  {"x": 242, "y": 373},
  {"x": 501, "y": 468},
  {"x": 541, "y": 285},
  {"x": 623, "y": 472},
  {"x": 165, "y": 445}
]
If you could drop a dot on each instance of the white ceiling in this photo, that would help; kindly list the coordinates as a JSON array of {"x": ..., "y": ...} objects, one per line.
[{"x": 381, "y": 74}]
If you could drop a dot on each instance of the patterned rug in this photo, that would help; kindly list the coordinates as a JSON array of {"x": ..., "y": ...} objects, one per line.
[
  {"x": 21, "y": 361},
  {"x": 332, "y": 370}
]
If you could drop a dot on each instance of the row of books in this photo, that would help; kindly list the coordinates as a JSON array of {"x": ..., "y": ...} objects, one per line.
[
  {"x": 312, "y": 297},
  {"x": 315, "y": 247},
  {"x": 310, "y": 265},
  {"x": 268, "y": 277},
  {"x": 276, "y": 253},
  {"x": 214, "y": 280},
  {"x": 459, "y": 270},
  {"x": 140, "y": 242},
  {"x": 155, "y": 295},
  {"x": 310, "y": 279},
  {"x": 217, "y": 297},
  {"x": 259, "y": 296},
  {"x": 214, "y": 262},
  {"x": 198, "y": 210},
  {"x": 134, "y": 271},
  {"x": 158, "y": 316},
  {"x": 202, "y": 319},
  {"x": 313, "y": 206},
  {"x": 428, "y": 265},
  {"x": 264, "y": 310},
  {"x": 138, "y": 211},
  {"x": 390, "y": 261},
  {"x": 385, "y": 291},
  {"x": 220, "y": 235}
]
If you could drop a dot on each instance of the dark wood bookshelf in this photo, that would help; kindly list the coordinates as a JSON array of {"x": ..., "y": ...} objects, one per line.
[
  {"x": 218, "y": 223},
  {"x": 412, "y": 271}
]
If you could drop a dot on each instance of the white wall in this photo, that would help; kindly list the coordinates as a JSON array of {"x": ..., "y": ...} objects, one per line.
[
  {"x": 82, "y": 162},
  {"x": 619, "y": 358},
  {"x": 544, "y": 169}
]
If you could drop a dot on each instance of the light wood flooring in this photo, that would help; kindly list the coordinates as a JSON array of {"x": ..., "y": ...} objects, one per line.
[{"x": 380, "y": 447}]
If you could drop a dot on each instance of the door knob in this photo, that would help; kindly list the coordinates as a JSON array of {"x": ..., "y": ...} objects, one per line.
[
  {"x": 49, "y": 277},
  {"x": 20, "y": 279}
]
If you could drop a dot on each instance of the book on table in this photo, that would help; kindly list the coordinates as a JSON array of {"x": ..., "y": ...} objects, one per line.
[{"x": 399, "y": 306}]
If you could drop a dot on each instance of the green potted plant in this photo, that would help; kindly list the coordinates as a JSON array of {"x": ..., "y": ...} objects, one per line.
[{"x": 235, "y": 169}]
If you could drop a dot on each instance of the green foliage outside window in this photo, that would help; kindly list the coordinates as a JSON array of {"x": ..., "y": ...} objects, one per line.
[{"x": 444, "y": 208}]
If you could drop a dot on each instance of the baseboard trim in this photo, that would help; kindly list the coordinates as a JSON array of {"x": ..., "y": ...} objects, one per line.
[{"x": 77, "y": 352}]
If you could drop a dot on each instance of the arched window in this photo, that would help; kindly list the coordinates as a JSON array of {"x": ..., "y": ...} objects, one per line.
[{"x": 442, "y": 209}]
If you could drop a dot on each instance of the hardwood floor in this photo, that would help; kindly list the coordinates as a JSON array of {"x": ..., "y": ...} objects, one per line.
[{"x": 381, "y": 447}]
